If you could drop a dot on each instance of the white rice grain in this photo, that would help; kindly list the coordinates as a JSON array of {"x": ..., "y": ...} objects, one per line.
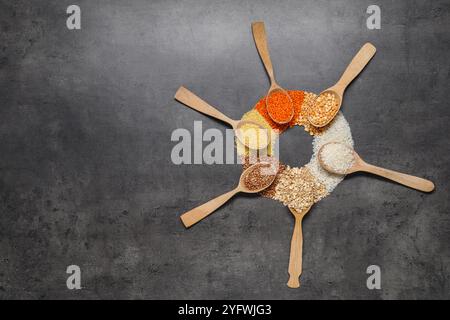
[
  {"x": 337, "y": 157},
  {"x": 338, "y": 131}
]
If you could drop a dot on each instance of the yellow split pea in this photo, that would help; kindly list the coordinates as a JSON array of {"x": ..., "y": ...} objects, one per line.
[{"x": 326, "y": 107}]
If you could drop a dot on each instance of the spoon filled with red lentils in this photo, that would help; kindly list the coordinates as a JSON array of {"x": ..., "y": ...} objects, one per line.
[
  {"x": 329, "y": 101},
  {"x": 255, "y": 178},
  {"x": 279, "y": 104}
]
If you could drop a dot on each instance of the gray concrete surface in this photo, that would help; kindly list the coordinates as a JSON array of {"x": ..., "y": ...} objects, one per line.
[{"x": 86, "y": 178}]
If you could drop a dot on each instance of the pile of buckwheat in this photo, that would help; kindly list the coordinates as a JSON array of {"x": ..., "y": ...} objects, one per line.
[{"x": 260, "y": 176}]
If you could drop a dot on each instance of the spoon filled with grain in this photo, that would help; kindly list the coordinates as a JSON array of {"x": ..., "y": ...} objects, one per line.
[
  {"x": 255, "y": 178},
  {"x": 329, "y": 101},
  {"x": 279, "y": 104},
  {"x": 340, "y": 159},
  {"x": 250, "y": 133}
]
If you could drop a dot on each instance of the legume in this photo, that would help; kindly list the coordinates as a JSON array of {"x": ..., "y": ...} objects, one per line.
[
  {"x": 326, "y": 106},
  {"x": 279, "y": 106},
  {"x": 297, "y": 97}
]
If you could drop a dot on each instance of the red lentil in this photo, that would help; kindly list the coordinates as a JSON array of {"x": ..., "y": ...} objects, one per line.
[
  {"x": 297, "y": 97},
  {"x": 279, "y": 106}
]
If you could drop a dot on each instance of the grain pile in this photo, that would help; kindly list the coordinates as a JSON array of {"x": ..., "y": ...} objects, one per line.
[
  {"x": 297, "y": 188},
  {"x": 297, "y": 97},
  {"x": 279, "y": 106},
  {"x": 301, "y": 187},
  {"x": 302, "y": 118},
  {"x": 253, "y": 135},
  {"x": 259, "y": 176},
  {"x": 248, "y": 161},
  {"x": 337, "y": 131},
  {"x": 272, "y": 135},
  {"x": 337, "y": 157},
  {"x": 326, "y": 106}
]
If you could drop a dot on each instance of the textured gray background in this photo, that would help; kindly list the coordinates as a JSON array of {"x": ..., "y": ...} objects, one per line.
[{"x": 85, "y": 172}]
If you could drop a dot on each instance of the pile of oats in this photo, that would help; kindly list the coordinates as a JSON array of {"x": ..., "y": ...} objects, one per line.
[{"x": 297, "y": 188}]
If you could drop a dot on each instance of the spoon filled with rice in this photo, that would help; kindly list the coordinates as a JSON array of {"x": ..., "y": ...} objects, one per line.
[{"x": 341, "y": 159}]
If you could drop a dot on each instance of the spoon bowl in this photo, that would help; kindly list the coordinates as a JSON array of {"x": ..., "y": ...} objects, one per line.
[
  {"x": 199, "y": 213},
  {"x": 262, "y": 166},
  {"x": 261, "y": 136},
  {"x": 274, "y": 88},
  {"x": 330, "y": 168},
  {"x": 359, "y": 164}
]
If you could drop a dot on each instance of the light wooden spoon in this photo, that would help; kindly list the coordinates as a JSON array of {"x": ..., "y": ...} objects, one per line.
[
  {"x": 360, "y": 165},
  {"x": 359, "y": 61},
  {"x": 191, "y": 100},
  {"x": 259, "y": 34},
  {"x": 195, "y": 215},
  {"x": 296, "y": 257}
]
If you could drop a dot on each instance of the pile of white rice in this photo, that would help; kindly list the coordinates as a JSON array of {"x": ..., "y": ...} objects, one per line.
[{"x": 338, "y": 131}]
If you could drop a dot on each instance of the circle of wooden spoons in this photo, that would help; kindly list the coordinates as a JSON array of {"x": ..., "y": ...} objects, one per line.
[
  {"x": 360, "y": 165},
  {"x": 359, "y": 61},
  {"x": 296, "y": 256},
  {"x": 259, "y": 34},
  {"x": 191, "y": 100},
  {"x": 199, "y": 213}
]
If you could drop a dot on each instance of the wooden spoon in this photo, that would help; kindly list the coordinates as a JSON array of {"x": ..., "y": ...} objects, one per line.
[
  {"x": 259, "y": 34},
  {"x": 296, "y": 257},
  {"x": 195, "y": 215},
  {"x": 188, "y": 98},
  {"x": 360, "y": 165},
  {"x": 360, "y": 60}
]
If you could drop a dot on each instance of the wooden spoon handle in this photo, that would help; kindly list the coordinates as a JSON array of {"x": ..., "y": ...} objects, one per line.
[
  {"x": 191, "y": 100},
  {"x": 195, "y": 215},
  {"x": 295, "y": 259},
  {"x": 360, "y": 60},
  {"x": 402, "y": 178},
  {"x": 259, "y": 34}
]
